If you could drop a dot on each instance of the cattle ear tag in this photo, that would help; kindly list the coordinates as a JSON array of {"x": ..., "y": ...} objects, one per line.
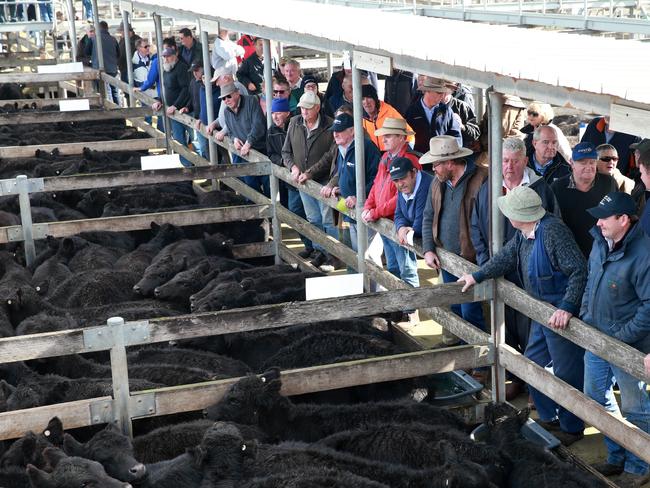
[
  {"x": 263, "y": 379},
  {"x": 243, "y": 447},
  {"x": 46, "y": 433},
  {"x": 8, "y": 302},
  {"x": 38, "y": 288}
]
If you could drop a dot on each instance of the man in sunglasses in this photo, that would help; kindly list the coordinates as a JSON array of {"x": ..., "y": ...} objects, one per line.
[{"x": 607, "y": 165}]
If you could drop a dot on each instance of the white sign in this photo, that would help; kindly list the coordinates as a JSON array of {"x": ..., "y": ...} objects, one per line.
[
  {"x": 74, "y": 104},
  {"x": 61, "y": 68},
  {"x": 126, "y": 6},
  {"x": 333, "y": 286},
  {"x": 629, "y": 120},
  {"x": 210, "y": 26},
  {"x": 164, "y": 161},
  {"x": 373, "y": 62}
]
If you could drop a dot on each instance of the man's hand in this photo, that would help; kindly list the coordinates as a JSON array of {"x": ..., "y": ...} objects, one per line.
[
  {"x": 432, "y": 260},
  {"x": 211, "y": 127},
  {"x": 646, "y": 363},
  {"x": 220, "y": 136},
  {"x": 197, "y": 125},
  {"x": 351, "y": 201},
  {"x": 136, "y": 88},
  {"x": 245, "y": 149},
  {"x": 327, "y": 191},
  {"x": 237, "y": 143},
  {"x": 401, "y": 233},
  {"x": 171, "y": 110},
  {"x": 560, "y": 319},
  {"x": 184, "y": 110},
  {"x": 367, "y": 216},
  {"x": 156, "y": 106},
  {"x": 295, "y": 173},
  {"x": 303, "y": 177},
  {"x": 469, "y": 281},
  {"x": 252, "y": 87}
]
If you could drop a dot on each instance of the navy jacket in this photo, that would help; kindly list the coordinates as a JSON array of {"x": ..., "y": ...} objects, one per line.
[
  {"x": 110, "y": 49},
  {"x": 177, "y": 84},
  {"x": 248, "y": 124},
  {"x": 424, "y": 131},
  {"x": 617, "y": 297},
  {"x": 595, "y": 133},
  {"x": 410, "y": 214},
  {"x": 556, "y": 169}
]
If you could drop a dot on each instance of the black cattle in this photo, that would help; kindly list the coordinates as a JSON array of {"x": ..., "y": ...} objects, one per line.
[
  {"x": 94, "y": 288},
  {"x": 29, "y": 448},
  {"x": 256, "y": 400},
  {"x": 49, "y": 274},
  {"x": 313, "y": 477},
  {"x": 110, "y": 448},
  {"x": 218, "y": 366},
  {"x": 69, "y": 472},
  {"x": 138, "y": 259}
]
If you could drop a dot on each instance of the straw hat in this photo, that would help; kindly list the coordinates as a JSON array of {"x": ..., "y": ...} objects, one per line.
[
  {"x": 394, "y": 126},
  {"x": 443, "y": 148},
  {"x": 521, "y": 204}
]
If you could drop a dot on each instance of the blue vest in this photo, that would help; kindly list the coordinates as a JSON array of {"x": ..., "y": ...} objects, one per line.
[{"x": 547, "y": 284}]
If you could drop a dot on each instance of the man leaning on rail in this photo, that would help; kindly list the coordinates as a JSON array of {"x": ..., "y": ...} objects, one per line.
[
  {"x": 553, "y": 270},
  {"x": 617, "y": 302}
]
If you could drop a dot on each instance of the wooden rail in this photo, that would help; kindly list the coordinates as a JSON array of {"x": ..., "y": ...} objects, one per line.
[
  {"x": 78, "y": 147},
  {"x": 73, "y": 116},
  {"x": 44, "y": 78},
  {"x": 48, "y": 102}
]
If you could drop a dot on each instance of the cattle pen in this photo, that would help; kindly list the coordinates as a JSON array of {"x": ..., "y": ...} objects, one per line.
[{"x": 631, "y": 105}]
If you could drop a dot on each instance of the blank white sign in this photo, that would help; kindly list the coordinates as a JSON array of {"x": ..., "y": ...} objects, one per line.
[
  {"x": 333, "y": 286},
  {"x": 164, "y": 161},
  {"x": 74, "y": 104},
  {"x": 61, "y": 68}
]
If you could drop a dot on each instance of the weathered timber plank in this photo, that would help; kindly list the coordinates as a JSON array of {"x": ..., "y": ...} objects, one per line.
[
  {"x": 262, "y": 317},
  {"x": 78, "y": 147},
  {"x": 150, "y": 177},
  {"x": 290, "y": 257},
  {"x": 575, "y": 401},
  {"x": 44, "y": 78},
  {"x": 47, "y": 102},
  {"x": 73, "y": 116},
  {"x": 73, "y": 414},
  {"x": 457, "y": 326},
  {"x": 340, "y": 375},
  {"x": 253, "y": 250},
  {"x": 14, "y": 62}
]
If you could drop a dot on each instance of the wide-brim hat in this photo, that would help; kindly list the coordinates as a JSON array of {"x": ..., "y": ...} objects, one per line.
[
  {"x": 521, "y": 204},
  {"x": 228, "y": 89},
  {"x": 438, "y": 85},
  {"x": 394, "y": 126},
  {"x": 444, "y": 148}
]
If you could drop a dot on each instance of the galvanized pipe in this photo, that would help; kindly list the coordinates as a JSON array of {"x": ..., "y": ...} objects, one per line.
[
  {"x": 273, "y": 180},
  {"x": 360, "y": 170},
  {"x": 26, "y": 219},
  {"x": 207, "y": 84},
  {"x": 129, "y": 55},
  {"x": 268, "y": 81},
  {"x": 495, "y": 101},
  {"x": 98, "y": 37},
  {"x": 159, "y": 47},
  {"x": 72, "y": 29}
]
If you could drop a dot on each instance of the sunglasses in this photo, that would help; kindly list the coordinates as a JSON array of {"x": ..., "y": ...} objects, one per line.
[
  {"x": 607, "y": 159},
  {"x": 279, "y": 91},
  {"x": 533, "y": 114},
  {"x": 226, "y": 97},
  {"x": 146, "y": 47}
]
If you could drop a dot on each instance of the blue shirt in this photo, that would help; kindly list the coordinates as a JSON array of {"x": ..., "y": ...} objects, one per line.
[
  {"x": 540, "y": 169},
  {"x": 427, "y": 111}
]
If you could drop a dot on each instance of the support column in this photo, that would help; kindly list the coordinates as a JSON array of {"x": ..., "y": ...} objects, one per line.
[
  {"x": 159, "y": 47},
  {"x": 360, "y": 170},
  {"x": 208, "y": 91},
  {"x": 98, "y": 37},
  {"x": 274, "y": 182},
  {"x": 72, "y": 29},
  {"x": 330, "y": 65},
  {"x": 120, "y": 376},
  {"x": 26, "y": 219},
  {"x": 129, "y": 55},
  {"x": 497, "y": 332}
]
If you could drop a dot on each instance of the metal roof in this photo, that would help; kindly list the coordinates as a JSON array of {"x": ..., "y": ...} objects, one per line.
[{"x": 564, "y": 69}]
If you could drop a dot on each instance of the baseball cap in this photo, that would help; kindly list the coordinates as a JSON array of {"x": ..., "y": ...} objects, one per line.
[
  {"x": 341, "y": 122},
  {"x": 169, "y": 51},
  {"x": 399, "y": 168},
  {"x": 308, "y": 100},
  {"x": 584, "y": 150},
  {"x": 280, "y": 105},
  {"x": 643, "y": 145},
  {"x": 614, "y": 203}
]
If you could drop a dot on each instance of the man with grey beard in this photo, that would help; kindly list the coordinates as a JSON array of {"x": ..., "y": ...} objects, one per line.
[{"x": 176, "y": 80}]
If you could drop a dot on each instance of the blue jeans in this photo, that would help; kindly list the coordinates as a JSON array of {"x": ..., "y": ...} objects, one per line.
[
  {"x": 295, "y": 205},
  {"x": 408, "y": 266},
  {"x": 88, "y": 7},
  {"x": 566, "y": 359},
  {"x": 179, "y": 134},
  {"x": 599, "y": 380},
  {"x": 472, "y": 312},
  {"x": 112, "y": 91},
  {"x": 390, "y": 248},
  {"x": 204, "y": 146},
  {"x": 258, "y": 183},
  {"x": 319, "y": 215}
]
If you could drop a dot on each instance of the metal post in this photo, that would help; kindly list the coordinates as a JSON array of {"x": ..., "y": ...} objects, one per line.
[
  {"x": 159, "y": 42},
  {"x": 129, "y": 55},
  {"x": 495, "y": 101},
  {"x": 120, "y": 375},
  {"x": 208, "y": 92},
  {"x": 274, "y": 182},
  {"x": 111, "y": 7},
  {"x": 584, "y": 6},
  {"x": 330, "y": 65},
  {"x": 73, "y": 32},
  {"x": 26, "y": 219},
  {"x": 360, "y": 170},
  {"x": 479, "y": 102},
  {"x": 98, "y": 37}
]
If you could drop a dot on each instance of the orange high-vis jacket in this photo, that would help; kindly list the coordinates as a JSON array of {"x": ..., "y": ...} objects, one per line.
[{"x": 385, "y": 110}]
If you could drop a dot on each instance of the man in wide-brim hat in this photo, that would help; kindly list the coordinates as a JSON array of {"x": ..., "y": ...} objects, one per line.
[
  {"x": 448, "y": 213},
  {"x": 554, "y": 270},
  {"x": 382, "y": 199}
]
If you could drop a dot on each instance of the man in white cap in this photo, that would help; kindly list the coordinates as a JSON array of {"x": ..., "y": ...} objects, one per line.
[
  {"x": 554, "y": 270},
  {"x": 448, "y": 211}
]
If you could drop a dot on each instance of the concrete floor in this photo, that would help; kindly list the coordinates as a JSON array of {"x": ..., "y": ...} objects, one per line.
[{"x": 591, "y": 449}]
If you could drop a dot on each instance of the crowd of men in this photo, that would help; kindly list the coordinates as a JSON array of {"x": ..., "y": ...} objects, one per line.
[{"x": 575, "y": 223}]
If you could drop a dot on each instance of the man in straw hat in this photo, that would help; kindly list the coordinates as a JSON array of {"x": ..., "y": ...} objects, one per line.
[
  {"x": 448, "y": 213},
  {"x": 382, "y": 198},
  {"x": 553, "y": 270}
]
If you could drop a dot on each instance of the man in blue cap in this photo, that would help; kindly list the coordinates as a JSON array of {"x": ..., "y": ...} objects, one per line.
[
  {"x": 617, "y": 302},
  {"x": 581, "y": 190}
]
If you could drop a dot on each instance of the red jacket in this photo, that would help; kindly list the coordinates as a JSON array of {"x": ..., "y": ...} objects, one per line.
[{"x": 383, "y": 195}]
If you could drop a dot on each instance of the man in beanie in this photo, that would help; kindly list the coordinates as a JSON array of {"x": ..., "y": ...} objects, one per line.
[
  {"x": 375, "y": 112},
  {"x": 617, "y": 302},
  {"x": 275, "y": 137},
  {"x": 553, "y": 270}
]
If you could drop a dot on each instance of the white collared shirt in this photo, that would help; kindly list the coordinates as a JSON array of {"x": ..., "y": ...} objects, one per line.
[{"x": 525, "y": 181}]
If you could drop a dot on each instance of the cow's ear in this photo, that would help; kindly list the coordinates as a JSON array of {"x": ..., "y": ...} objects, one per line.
[
  {"x": 155, "y": 227},
  {"x": 38, "y": 478},
  {"x": 6, "y": 389},
  {"x": 54, "y": 455},
  {"x": 112, "y": 427},
  {"x": 28, "y": 445},
  {"x": 54, "y": 431},
  {"x": 72, "y": 446}
]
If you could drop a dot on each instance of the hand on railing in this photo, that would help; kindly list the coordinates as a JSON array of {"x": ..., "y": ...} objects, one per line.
[
  {"x": 433, "y": 261},
  {"x": 560, "y": 319},
  {"x": 156, "y": 106},
  {"x": 367, "y": 216},
  {"x": 328, "y": 191},
  {"x": 468, "y": 279},
  {"x": 351, "y": 201},
  {"x": 171, "y": 110}
]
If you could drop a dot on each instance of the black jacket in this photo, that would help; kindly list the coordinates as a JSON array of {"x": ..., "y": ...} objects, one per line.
[
  {"x": 274, "y": 142},
  {"x": 251, "y": 71},
  {"x": 177, "y": 82}
]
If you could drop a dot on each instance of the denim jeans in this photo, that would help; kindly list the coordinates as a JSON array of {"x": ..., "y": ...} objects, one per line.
[
  {"x": 295, "y": 205},
  {"x": 319, "y": 215},
  {"x": 408, "y": 266},
  {"x": 259, "y": 183},
  {"x": 112, "y": 92},
  {"x": 204, "y": 146},
  {"x": 472, "y": 312},
  {"x": 566, "y": 360},
  {"x": 599, "y": 380},
  {"x": 179, "y": 134},
  {"x": 390, "y": 248},
  {"x": 88, "y": 7}
]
